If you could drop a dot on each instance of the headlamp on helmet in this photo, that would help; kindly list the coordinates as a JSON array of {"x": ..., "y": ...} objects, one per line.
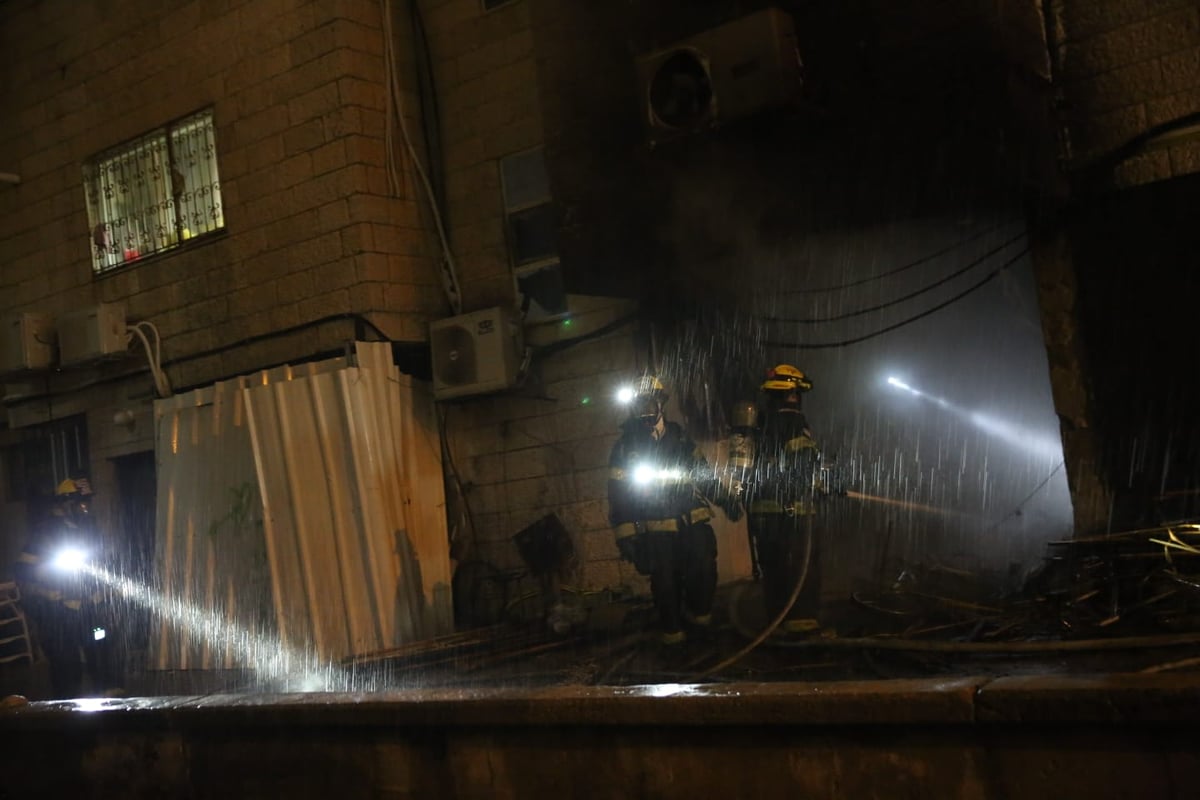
[{"x": 786, "y": 378}]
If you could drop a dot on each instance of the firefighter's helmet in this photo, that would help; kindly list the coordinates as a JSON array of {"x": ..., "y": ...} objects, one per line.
[
  {"x": 73, "y": 487},
  {"x": 648, "y": 398},
  {"x": 786, "y": 378},
  {"x": 649, "y": 386}
]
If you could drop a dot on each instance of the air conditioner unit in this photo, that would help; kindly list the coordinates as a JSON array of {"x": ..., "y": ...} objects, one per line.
[
  {"x": 92, "y": 334},
  {"x": 731, "y": 71},
  {"x": 26, "y": 343},
  {"x": 476, "y": 353}
]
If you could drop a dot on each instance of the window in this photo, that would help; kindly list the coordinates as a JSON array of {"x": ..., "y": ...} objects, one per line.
[
  {"x": 532, "y": 225},
  {"x": 154, "y": 193}
]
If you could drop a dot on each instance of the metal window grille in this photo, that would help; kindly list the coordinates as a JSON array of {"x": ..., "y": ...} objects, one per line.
[{"x": 153, "y": 194}]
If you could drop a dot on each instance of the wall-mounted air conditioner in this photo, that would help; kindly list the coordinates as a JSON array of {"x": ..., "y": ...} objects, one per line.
[
  {"x": 92, "y": 334},
  {"x": 26, "y": 343},
  {"x": 476, "y": 353},
  {"x": 731, "y": 71}
]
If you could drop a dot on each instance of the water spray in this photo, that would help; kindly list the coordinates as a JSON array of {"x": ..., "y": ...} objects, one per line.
[{"x": 267, "y": 656}]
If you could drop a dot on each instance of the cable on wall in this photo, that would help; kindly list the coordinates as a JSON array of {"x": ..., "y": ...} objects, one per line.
[
  {"x": 153, "y": 355},
  {"x": 395, "y": 118}
]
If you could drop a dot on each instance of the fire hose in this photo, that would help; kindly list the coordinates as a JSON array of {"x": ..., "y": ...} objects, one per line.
[{"x": 801, "y": 577}]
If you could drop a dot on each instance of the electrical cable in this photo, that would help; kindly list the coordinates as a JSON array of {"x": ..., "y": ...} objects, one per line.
[
  {"x": 443, "y": 429},
  {"x": 924, "y": 290},
  {"x": 775, "y": 623},
  {"x": 1028, "y": 497},
  {"x": 153, "y": 356},
  {"x": 431, "y": 114},
  {"x": 358, "y": 318},
  {"x": 449, "y": 271},
  {"x": 902, "y": 268},
  {"x": 855, "y": 340},
  {"x": 1110, "y": 159}
]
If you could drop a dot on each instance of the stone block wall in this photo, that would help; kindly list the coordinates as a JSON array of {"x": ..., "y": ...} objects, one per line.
[
  {"x": 1126, "y": 68},
  {"x": 298, "y": 97},
  {"x": 483, "y": 68}
]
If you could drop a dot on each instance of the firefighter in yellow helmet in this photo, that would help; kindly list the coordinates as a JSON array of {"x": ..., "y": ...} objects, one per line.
[
  {"x": 780, "y": 488},
  {"x": 65, "y": 605},
  {"x": 660, "y": 521}
]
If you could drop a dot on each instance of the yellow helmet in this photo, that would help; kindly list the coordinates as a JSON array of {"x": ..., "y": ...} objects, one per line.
[
  {"x": 649, "y": 385},
  {"x": 785, "y": 378}
]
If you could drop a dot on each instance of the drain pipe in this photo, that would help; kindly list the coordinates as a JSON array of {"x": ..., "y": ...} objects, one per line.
[{"x": 10, "y": 177}]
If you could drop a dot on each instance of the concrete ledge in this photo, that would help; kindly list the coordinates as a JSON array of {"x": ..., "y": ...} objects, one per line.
[
  {"x": 903, "y": 702},
  {"x": 1096, "y": 736}
]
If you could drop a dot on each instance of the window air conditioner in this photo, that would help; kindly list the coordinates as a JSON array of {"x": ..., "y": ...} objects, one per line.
[
  {"x": 26, "y": 343},
  {"x": 722, "y": 74},
  {"x": 91, "y": 334},
  {"x": 476, "y": 353}
]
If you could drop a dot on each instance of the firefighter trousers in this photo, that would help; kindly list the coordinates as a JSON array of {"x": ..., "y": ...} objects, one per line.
[
  {"x": 780, "y": 543},
  {"x": 682, "y": 566}
]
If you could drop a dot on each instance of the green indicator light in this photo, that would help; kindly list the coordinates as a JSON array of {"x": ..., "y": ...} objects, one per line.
[
  {"x": 585, "y": 401},
  {"x": 566, "y": 323}
]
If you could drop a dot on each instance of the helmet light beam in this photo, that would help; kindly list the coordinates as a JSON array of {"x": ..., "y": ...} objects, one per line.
[
  {"x": 69, "y": 559},
  {"x": 1027, "y": 440}
]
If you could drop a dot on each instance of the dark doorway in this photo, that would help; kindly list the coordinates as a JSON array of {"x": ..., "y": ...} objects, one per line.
[{"x": 136, "y": 504}]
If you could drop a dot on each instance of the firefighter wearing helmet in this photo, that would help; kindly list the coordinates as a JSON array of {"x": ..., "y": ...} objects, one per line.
[
  {"x": 660, "y": 521},
  {"x": 66, "y": 606},
  {"x": 779, "y": 489}
]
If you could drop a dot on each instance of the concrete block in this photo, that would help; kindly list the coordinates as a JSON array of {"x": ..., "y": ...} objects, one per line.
[
  {"x": 1173, "y": 107},
  {"x": 1185, "y": 159},
  {"x": 1083, "y": 19},
  {"x": 253, "y": 299},
  {"x": 333, "y": 274},
  {"x": 549, "y": 492},
  {"x": 295, "y": 287},
  {"x": 1181, "y": 69},
  {"x": 333, "y": 215},
  {"x": 294, "y": 170},
  {"x": 324, "y": 305},
  {"x": 261, "y": 125},
  {"x": 1123, "y": 86},
  {"x": 591, "y": 484},
  {"x": 315, "y": 43},
  {"x": 1145, "y": 168},
  {"x": 366, "y": 296}
]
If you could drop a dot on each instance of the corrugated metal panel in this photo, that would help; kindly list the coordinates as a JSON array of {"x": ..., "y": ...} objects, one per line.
[
  {"x": 209, "y": 551},
  {"x": 346, "y": 467}
]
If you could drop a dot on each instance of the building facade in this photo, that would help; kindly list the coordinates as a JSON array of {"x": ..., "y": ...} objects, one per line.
[{"x": 529, "y": 119}]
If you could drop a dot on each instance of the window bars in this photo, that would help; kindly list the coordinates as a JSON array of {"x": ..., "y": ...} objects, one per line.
[{"x": 154, "y": 193}]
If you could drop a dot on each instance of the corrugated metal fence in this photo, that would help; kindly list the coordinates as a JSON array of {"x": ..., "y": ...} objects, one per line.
[{"x": 306, "y": 503}]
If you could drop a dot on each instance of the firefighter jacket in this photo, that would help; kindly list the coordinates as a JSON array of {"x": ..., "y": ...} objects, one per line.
[
  {"x": 652, "y": 482},
  {"x": 785, "y": 466},
  {"x": 41, "y": 582}
]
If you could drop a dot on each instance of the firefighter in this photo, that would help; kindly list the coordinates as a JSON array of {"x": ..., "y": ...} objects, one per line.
[
  {"x": 779, "y": 491},
  {"x": 658, "y": 517},
  {"x": 65, "y": 606}
]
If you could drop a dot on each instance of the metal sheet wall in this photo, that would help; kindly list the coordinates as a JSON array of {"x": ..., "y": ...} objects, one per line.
[{"x": 350, "y": 532}]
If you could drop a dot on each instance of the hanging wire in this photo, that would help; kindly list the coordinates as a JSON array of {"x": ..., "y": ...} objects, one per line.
[
  {"x": 903, "y": 267},
  {"x": 902, "y": 323},
  {"x": 924, "y": 290}
]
